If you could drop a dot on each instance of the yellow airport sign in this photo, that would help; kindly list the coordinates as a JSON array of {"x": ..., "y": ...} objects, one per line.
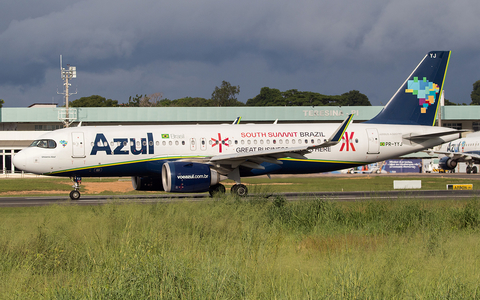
[{"x": 460, "y": 186}]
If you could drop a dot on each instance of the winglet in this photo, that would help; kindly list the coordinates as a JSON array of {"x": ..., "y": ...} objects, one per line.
[
  {"x": 237, "y": 121},
  {"x": 338, "y": 134}
]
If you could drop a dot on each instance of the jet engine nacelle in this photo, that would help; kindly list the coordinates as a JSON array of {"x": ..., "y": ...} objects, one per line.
[
  {"x": 188, "y": 177},
  {"x": 447, "y": 163},
  {"x": 147, "y": 183}
]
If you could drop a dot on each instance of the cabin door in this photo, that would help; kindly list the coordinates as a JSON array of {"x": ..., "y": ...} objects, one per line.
[
  {"x": 78, "y": 145},
  {"x": 373, "y": 142}
]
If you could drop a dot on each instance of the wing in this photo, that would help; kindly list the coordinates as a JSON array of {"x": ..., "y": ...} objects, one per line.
[
  {"x": 458, "y": 156},
  {"x": 226, "y": 163}
]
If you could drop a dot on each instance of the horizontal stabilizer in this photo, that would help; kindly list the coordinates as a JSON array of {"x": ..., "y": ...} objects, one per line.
[{"x": 422, "y": 137}]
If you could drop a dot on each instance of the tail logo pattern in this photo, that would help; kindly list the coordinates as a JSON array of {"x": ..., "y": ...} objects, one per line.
[{"x": 425, "y": 91}]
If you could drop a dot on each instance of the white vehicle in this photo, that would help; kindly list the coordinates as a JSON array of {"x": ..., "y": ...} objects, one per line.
[
  {"x": 465, "y": 150},
  {"x": 196, "y": 158}
]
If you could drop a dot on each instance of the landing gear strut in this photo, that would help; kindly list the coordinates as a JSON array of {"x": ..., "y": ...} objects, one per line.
[
  {"x": 75, "y": 194},
  {"x": 238, "y": 188}
]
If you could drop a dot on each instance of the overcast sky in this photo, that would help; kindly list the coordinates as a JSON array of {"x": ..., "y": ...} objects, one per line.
[{"x": 186, "y": 48}]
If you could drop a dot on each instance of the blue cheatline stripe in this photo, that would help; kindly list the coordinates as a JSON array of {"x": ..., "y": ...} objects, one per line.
[{"x": 326, "y": 161}]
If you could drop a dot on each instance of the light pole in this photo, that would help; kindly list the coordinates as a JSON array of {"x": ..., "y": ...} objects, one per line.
[{"x": 67, "y": 74}]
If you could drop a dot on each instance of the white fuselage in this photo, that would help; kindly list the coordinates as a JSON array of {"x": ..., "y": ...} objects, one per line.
[{"x": 124, "y": 150}]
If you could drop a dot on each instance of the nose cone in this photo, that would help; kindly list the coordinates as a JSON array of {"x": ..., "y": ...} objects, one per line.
[{"x": 19, "y": 160}]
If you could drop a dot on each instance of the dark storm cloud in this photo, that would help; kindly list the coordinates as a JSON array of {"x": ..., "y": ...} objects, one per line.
[{"x": 186, "y": 48}]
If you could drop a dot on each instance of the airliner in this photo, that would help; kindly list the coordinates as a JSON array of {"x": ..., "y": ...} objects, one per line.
[
  {"x": 465, "y": 150},
  {"x": 196, "y": 158}
]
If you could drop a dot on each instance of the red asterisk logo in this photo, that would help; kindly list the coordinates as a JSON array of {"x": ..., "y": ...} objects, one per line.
[
  {"x": 220, "y": 142},
  {"x": 347, "y": 142}
]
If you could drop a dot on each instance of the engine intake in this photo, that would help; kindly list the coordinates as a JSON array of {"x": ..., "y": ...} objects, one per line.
[
  {"x": 447, "y": 163},
  {"x": 188, "y": 177}
]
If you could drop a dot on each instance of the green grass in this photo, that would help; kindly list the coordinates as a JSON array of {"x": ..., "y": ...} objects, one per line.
[
  {"x": 228, "y": 248},
  {"x": 353, "y": 183},
  {"x": 256, "y": 184}
]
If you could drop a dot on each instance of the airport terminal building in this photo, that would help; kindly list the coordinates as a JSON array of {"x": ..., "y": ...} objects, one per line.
[{"x": 20, "y": 126}]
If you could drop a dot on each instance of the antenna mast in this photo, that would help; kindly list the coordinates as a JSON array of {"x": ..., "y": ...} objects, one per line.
[{"x": 67, "y": 116}]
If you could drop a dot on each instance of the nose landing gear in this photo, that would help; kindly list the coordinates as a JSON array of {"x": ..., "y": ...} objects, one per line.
[{"x": 75, "y": 194}]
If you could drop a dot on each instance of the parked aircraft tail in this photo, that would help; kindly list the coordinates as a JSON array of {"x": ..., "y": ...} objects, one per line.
[{"x": 416, "y": 102}]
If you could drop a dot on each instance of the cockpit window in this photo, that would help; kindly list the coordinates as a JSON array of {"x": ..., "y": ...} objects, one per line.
[{"x": 44, "y": 144}]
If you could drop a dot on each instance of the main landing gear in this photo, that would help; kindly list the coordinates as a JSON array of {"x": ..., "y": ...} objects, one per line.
[
  {"x": 472, "y": 169},
  {"x": 238, "y": 189},
  {"x": 75, "y": 194}
]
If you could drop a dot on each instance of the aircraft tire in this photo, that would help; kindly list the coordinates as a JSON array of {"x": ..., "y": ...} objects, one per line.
[
  {"x": 469, "y": 170},
  {"x": 215, "y": 189},
  {"x": 74, "y": 195},
  {"x": 240, "y": 190},
  {"x": 474, "y": 170}
]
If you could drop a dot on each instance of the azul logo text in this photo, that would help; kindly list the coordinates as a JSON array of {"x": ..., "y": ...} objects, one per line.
[{"x": 123, "y": 146}]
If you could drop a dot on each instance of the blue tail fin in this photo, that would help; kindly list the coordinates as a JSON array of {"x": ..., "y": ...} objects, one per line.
[{"x": 416, "y": 102}]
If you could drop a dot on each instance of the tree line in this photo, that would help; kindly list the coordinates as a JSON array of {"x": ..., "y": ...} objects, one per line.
[{"x": 225, "y": 95}]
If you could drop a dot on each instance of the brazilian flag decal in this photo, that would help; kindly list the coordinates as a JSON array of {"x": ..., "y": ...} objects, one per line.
[{"x": 165, "y": 136}]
